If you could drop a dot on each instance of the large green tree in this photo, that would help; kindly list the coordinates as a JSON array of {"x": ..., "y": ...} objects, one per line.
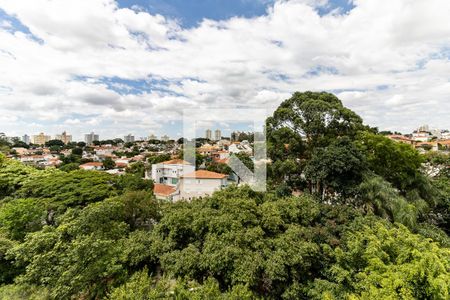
[{"x": 319, "y": 117}]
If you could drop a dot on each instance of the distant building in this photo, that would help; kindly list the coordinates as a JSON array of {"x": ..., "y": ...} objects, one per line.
[
  {"x": 152, "y": 137},
  {"x": 208, "y": 134},
  {"x": 64, "y": 137},
  {"x": 424, "y": 127},
  {"x": 26, "y": 139},
  {"x": 165, "y": 138},
  {"x": 90, "y": 138},
  {"x": 40, "y": 139},
  {"x": 217, "y": 135},
  {"x": 128, "y": 138}
]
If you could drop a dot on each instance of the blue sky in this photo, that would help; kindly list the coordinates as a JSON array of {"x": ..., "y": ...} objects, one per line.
[
  {"x": 191, "y": 12},
  {"x": 119, "y": 67}
]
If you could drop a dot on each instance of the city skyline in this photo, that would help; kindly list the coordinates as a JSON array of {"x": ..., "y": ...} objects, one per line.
[{"x": 58, "y": 74}]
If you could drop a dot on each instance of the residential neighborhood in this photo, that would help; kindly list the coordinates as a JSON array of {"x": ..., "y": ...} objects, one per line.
[{"x": 174, "y": 178}]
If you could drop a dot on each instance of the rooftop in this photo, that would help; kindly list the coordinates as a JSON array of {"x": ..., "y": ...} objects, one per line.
[
  {"x": 205, "y": 175},
  {"x": 162, "y": 189}
]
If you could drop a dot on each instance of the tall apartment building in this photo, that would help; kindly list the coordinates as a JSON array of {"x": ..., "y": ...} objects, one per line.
[
  {"x": 217, "y": 135},
  {"x": 64, "y": 137},
  {"x": 40, "y": 139},
  {"x": 90, "y": 138},
  {"x": 208, "y": 134},
  {"x": 128, "y": 138},
  {"x": 26, "y": 139}
]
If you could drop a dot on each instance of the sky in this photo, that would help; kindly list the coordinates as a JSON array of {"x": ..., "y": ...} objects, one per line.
[{"x": 134, "y": 66}]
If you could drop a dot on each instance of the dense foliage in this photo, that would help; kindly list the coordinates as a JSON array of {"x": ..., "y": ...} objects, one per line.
[{"x": 368, "y": 221}]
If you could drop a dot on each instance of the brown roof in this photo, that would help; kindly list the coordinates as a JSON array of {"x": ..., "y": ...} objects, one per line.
[
  {"x": 92, "y": 164},
  {"x": 121, "y": 164},
  {"x": 176, "y": 161},
  {"x": 163, "y": 189},
  {"x": 205, "y": 175},
  {"x": 398, "y": 137},
  {"x": 444, "y": 142}
]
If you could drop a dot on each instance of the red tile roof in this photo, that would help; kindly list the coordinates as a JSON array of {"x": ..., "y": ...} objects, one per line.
[
  {"x": 92, "y": 164},
  {"x": 205, "y": 175},
  {"x": 175, "y": 162},
  {"x": 163, "y": 189}
]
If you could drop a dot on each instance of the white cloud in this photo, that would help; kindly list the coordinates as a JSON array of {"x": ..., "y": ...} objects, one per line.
[{"x": 388, "y": 60}]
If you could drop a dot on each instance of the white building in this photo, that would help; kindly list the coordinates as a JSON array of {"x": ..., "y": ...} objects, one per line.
[
  {"x": 201, "y": 183},
  {"x": 90, "y": 138},
  {"x": 165, "y": 138},
  {"x": 128, "y": 138},
  {"x": 217, "y": 135},
  {"x": 169, "y": 172},
  {"x": 152, "y": 137},
  {"x": 208, "y": 134}
]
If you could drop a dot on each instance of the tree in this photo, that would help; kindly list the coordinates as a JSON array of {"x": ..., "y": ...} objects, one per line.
[
  {"x": 319, "y": 117},
  {"x": 21, "y": 144},
  {"x": 398, "y": 163},
  {"x": 21, "y": 216},
  {"x": 382, "y": 261},
  {"x": 337, "y": 168},
  {"x": 108, "y": 163},
  {"x": 137, "y": 168},
  {"x": 77, "y": 151},
  {"x": 69, "y": 167},
  {"x": 155, "y": 159},
  {"x": 54, "y": 143}
]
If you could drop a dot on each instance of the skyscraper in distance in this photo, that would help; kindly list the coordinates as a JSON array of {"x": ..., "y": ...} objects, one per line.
[
  {"x": 90, "y": 138},
  {"x": 217, "y": 135},
  {"x": 208, "y": 134}
]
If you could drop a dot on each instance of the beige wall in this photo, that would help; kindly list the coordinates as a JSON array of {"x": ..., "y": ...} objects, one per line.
[{"x": 199, "y": 187}]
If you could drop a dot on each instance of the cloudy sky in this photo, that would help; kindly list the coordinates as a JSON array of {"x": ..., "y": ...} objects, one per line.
[{"x": 133, "y": 65}]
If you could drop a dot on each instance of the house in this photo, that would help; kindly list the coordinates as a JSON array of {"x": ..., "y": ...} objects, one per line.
[
  {"x": 421, "y": 136},
  {"x": 243, "y": 147},
  {"x": 21, "y": 150},
  {"x": 169, "y": 172},
  {"x": 92, "y": 166},
  {"x": 164, "y": 191},
  {"x": 201, "y": 183},
  {"x": 122, "y": 162},
  {"x": 444, "y": 144},
  {"x": 220, "y": 156},
  {"x": 207, "y": 149},
  {"x": 401, "y": 139},
  {"x": 428, "y": 145}
]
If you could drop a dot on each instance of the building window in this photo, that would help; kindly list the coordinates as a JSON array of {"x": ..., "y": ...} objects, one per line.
[{"x": 174, "y": 180}]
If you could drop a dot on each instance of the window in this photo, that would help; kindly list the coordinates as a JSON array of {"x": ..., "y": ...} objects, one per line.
[{"x": 174, "y": 180}]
